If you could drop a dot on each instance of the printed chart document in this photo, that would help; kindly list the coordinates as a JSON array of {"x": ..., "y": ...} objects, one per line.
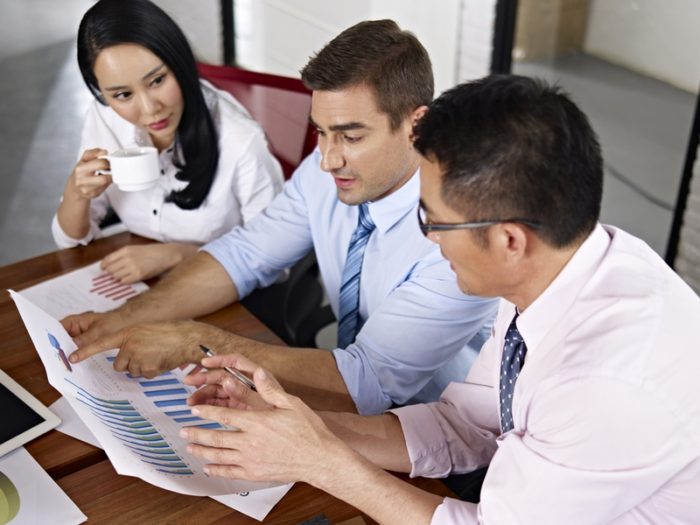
[
  {"x": 88, "y": 288},
  {"x": 257, "y": 504},
  {"x": 29, "y": 496},
  {"x": 136, "y": 420},
  {"x": 71, "y": 424}
]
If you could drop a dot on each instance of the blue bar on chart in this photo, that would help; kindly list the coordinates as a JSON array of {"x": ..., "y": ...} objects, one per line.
[
  {"x": 185, "y": 472},
  {"x": 175, "y": 413},
  {"x": 187, "y": 419},
  {"x": 152, "y": 383},
  {"x": 163, "y": 451},
  {"x": 171, "y": 402},
  {"x": 165, "y": 392},
  {"x": 206, "y": 425}
]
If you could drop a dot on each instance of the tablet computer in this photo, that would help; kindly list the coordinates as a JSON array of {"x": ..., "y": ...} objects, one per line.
[{"x": 24, "y": 417}]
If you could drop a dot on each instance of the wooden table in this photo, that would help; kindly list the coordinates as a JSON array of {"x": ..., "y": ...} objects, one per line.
[{"x": 83, "y": 471}]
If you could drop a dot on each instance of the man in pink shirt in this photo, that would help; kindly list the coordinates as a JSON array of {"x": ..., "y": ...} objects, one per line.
[{"x": 585, "y": 401}]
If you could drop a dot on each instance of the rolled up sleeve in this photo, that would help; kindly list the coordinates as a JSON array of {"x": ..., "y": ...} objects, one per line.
[
  {"x": 254, "y": 255},
  {"x": 414, "y": 332}
]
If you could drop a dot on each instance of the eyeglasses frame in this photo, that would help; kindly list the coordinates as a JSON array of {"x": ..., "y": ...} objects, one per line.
[{"x": 437, "y": 227}]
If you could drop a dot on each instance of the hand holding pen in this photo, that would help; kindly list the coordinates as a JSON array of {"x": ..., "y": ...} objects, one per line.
[
  {"x": 220, "y": 387},
  {"x": 235, "y": 373}
]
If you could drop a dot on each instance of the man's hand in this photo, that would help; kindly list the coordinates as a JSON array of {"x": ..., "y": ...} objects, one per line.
[
  {"x": 89, "y": 326},
  {"x": 135, "y": 263},
  {"x": 149, "y": 349},
  {"x": 286, "y": 442},
  {"x": 219, "y": 388}
]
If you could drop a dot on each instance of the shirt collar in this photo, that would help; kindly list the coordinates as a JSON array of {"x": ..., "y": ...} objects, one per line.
[
  {"x": 555, "y": 302},
  {"x": 388, "y": 211}
]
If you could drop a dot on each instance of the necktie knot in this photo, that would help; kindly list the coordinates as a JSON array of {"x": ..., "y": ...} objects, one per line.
[{"x": 364, "y": 221}]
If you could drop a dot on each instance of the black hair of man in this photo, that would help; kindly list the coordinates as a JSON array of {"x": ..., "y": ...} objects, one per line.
[
  {"x": 512, "y": 146},
  {"x": 376, "y": 53},
  {"x": 113, "y": 22}
]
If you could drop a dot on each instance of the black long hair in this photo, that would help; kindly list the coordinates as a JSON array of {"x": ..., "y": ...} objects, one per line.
[{"x": 113, "y": 22}]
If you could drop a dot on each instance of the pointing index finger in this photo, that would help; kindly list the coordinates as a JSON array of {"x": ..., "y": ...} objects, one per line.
[{"x": 101, "y": 344}]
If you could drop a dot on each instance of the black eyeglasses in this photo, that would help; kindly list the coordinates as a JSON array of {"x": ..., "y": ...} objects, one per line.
[{"x": 427, "y": 227}]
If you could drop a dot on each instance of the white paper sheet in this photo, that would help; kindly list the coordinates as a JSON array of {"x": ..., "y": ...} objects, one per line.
[
  {"x": 257, "y": 504},
  {"x": 32, "y": 495},
  {"x": 88, "y": 288},
  {"x": 71, "y": 424},
  {"x": 137, "y": 421}
]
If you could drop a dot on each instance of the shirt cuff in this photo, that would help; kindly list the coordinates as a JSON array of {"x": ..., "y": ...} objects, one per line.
[
  {"x": 364, "y": 387},
  {"x": 426, "y": 445},
  {"x": 63, "y": 240},
  {"x": 454, "y": 511},
  {"x": 245, "y": 273}
]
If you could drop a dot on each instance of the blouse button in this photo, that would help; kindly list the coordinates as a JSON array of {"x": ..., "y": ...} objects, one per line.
[
  {"x": 155, "y": 212},
  {"x": 162, "y": 172}
]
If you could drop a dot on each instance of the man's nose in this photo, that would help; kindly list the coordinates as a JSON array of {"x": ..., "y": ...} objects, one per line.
[{"x": 331, "y": 156}]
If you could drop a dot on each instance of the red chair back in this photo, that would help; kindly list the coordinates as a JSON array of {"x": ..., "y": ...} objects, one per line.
[{"x": 279, "y": 104}]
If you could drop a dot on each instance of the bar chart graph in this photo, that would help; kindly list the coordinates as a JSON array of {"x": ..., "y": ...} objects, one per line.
[
  {"x": 111, "y": 288},
  {"x": 167, "y": 391},
  {"x": 136, "y": 420}
]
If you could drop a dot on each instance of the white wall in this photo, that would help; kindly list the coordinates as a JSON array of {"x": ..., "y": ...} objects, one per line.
[
  {"x": 279, "y": 36},
  {"x": 29, "y": 25},
  {"x": 436, "y": 24},
  {"x": 658, "y": 38},
  {"x": 26, "y": 25},
  {"x": 200, "y": 20},
  {"x": 478, "y": 18}
]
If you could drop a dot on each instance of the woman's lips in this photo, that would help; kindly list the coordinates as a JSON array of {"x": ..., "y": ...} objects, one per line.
[{"x": 161, "y": 124}]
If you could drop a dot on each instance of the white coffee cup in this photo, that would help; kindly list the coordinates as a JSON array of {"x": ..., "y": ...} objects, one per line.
[{"x": 135, "y": 168}]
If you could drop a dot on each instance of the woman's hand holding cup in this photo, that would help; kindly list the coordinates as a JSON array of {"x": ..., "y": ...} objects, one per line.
[{"x": 88, "y": 180}]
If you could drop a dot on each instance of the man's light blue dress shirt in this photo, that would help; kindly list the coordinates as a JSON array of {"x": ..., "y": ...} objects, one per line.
[{"x": 417, "y": 321}]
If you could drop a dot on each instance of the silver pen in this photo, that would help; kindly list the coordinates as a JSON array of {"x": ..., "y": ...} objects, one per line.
[{"x": 235, "y": 373}]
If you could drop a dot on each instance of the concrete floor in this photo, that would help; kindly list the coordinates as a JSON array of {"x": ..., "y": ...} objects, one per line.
[{"x": 643, "y": 125}]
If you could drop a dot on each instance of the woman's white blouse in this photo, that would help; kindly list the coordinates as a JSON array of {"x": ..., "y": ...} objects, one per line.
[{"x": 247, "y": 178}]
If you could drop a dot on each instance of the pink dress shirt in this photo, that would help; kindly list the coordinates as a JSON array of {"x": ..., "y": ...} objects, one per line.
[{"x": 606, "y": 408}]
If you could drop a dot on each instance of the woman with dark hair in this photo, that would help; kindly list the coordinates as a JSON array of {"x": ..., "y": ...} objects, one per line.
[{"x": 216, "y": 168}]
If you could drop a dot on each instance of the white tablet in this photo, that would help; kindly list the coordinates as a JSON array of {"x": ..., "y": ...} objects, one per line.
[{"x": 24, "y": 417}]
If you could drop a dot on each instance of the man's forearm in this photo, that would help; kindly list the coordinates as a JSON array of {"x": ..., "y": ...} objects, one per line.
[
  {"x": 378, "y": 438},
  {"x": 379, "y": 494},
  {"x": 198, "y": 286},
  {"x": 308, "y": 373}
]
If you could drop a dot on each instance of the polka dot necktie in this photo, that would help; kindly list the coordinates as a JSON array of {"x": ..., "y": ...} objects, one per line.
[
  {"x": 349, "y": 301},
  {"x": 514, "y": 351}
]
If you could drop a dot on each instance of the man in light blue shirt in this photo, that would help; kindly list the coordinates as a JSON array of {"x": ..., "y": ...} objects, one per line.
[{"x": 370, "y": 85}]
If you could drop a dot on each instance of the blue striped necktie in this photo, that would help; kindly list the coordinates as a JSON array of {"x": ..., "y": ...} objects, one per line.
[
  {"x": 349, "y": 300},
  {"x": 514, "y": 351}
]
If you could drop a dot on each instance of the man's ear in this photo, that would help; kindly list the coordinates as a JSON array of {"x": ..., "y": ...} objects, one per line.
[
  {"x": 513, "y": 240},
  {"x": 414, "y": 117},
  {"x": 418, "y": 114}
]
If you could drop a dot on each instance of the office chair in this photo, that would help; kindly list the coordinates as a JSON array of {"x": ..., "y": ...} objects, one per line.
[
  {"x": 293, "y": 308},
  {"x": 279, "y": 104}
]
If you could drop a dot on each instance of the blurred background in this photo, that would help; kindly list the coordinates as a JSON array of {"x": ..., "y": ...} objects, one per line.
[{"x": 632, "y": 65}]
